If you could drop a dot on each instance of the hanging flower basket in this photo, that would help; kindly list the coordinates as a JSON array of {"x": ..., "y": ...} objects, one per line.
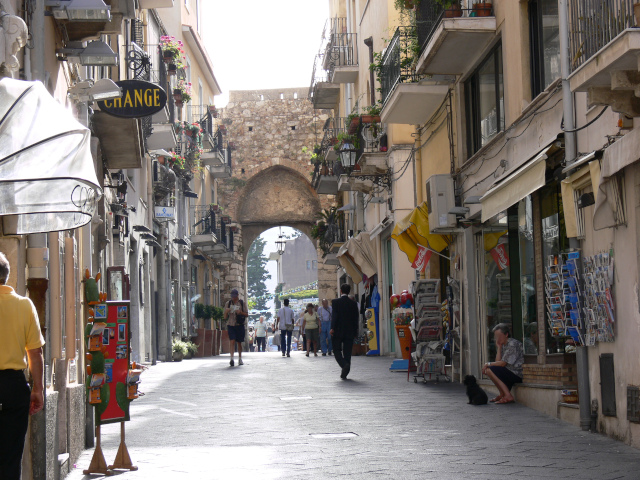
[
  {"x": 172, "y": 69},
  {"x": 226, "y": 218},
  {"x": 214, "y": 207},
  {"x": 168, "y": 56},
  {"x": 179, "y": 103},
  {"x": 213, "y": 111}
]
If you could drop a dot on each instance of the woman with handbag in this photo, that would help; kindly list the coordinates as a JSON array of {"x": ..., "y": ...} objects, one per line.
[
  {"x": 311, "y": 327},
  {"x": 236, "y": 314}
]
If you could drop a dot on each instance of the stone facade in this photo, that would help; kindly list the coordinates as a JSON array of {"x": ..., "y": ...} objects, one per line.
[{"x": 271, "y": 185}]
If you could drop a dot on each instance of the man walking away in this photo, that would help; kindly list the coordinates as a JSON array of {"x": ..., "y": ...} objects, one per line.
[
  {"x": 261, "y": 334},
  {"x": 19, "y": 335},
  {"x": 324, "y": 314},
  {"x": 344, "y": 328},
  {"x": 236, "y": 314},
  {"x": 284, "y": 321}
]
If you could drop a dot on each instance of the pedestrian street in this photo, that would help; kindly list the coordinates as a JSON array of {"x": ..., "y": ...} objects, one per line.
[{"x": 295, "y": 418}]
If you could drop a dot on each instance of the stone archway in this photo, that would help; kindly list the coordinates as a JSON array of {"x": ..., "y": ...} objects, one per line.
[{"x": 277, "y": 196}]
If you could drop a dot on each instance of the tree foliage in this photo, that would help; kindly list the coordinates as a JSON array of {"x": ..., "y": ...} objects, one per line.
[{"x": 257, "y": 274}]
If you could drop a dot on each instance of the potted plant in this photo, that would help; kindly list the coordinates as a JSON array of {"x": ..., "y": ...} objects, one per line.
[
  {"x": 344, "y": 138},
  {"x": 222, "y": 128},
  {"x": 452, "y": 8},
  {"x": 482, "y": 9},
  {"x": 353, "y": 122},
  {"x": 213, "y": 207},
  {"x": 182, "y": 91},
  {"x": 213, "y": 111},
  {"x": 192, "y": 350},
  {"x": 170, "y": 48},
  {"x": 179, "y": 350},
  {"x": 372, "y": 114},
  {"x": 172, "y": 69}
]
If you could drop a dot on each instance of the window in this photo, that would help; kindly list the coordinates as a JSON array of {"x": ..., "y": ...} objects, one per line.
[
  {"x": 484, "y": 95},
  {"x": 251, "y": 129},
  {"x": 314, "y": 264},
  {"x": 308, "y": 264},
  {"x": 544, "y": 37}
]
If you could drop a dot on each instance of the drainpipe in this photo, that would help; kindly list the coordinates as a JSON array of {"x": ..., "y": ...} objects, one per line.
[
  {"x": 369, "y": 43},
  {"x": 418, "y": 168},
  {"x": 582, "y": 356}
]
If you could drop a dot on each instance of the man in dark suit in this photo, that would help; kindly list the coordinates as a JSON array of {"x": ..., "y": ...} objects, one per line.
[{"x": 344, "y": 328}]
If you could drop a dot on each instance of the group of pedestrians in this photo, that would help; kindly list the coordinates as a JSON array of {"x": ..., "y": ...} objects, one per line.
[{"x": 332, "y": 327}]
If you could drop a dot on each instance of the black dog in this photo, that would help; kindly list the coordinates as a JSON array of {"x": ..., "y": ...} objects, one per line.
[{"x": 477, "y": 396}]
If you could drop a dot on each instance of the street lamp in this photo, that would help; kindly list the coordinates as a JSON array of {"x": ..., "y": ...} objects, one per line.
[
  {"x": 96, "y": 53},
  {"x": 280, "y": 244},
  {"x": 80, "y": 10},
  {"x": 348, "y": 155},
  {"x": 90, "y": 91}
]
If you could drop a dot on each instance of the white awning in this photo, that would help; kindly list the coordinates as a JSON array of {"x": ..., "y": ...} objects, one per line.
[
  {"x": 47, "y": 176},
  {"x": 514, "y": 187},
  {"x": 358, "y": 257}
]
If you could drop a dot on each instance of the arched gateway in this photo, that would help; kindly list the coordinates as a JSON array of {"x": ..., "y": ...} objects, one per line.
[{"x": 270, "y": 185}]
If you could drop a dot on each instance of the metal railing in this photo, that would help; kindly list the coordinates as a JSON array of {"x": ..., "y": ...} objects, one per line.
[
  {"x": 595, "y": 23},
  {"x": 164, "y": 180},
  {"x": 204, "y": 219},
  {"x": 342, "y": 51},
  {"x": 370, "y": 135},
  {"x": 398, "y": 61}
]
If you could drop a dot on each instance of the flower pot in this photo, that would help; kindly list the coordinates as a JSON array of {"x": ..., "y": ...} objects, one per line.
[
  {"x": 636, "y": 13},
  {"x": 409, "y": 4},
  {"x": 188, "y": 133},
  {"x": 179, "y": 103},
  {"x": 214, "y": 208},
  {"x": 168, "y": 55},
  {"x": 353, "y": 126},
  {"x": 172, "y": 69},
  {"x": 333, "y": 141},
  {"x": 160, "y": 159},
  {"x": 482, "y": 9},
  {"x": 370, "y": 118},
  {"x": 177, "y": 356},
  {"x": 324, "y": 170},
  {"x": 453, "y": 11}
]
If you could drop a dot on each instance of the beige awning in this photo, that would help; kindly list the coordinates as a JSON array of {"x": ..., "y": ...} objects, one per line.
[
  {"x": 609, "y": 210},
  {"x": 514, "y": 187},
  {"x": 358, "y": 258}
]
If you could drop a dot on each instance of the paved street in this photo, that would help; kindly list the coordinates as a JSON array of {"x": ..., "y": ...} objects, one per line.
[{"x": 294, "y": 418}]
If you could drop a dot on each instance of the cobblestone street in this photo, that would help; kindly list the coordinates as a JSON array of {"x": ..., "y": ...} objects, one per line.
[{"x": 293, "y": 417}]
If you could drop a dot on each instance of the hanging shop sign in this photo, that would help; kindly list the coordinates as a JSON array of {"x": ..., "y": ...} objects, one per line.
[
  {"x": 500, "y": 256},
  {"x": 422, "y": 258},
  {"x": 139, "y": 99},
  {"x": 164, "y": 212}
]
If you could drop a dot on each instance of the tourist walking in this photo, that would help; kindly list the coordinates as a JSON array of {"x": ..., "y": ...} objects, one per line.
[
  {"x": 236, "y": 313},
  {"x": 284, "y": 322},
  {"x": 261, "y": 334},
  {"x": 311, "y": 326},
  {"x": 20, "y": 336},
  {"x": 344, "y": 328},
  {"x": 324, "y": 314}
]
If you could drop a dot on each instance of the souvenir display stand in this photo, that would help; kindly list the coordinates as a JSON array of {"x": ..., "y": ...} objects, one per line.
[
  {"x": 112, "y": 382},
  {"x": 427, "y": 357}
]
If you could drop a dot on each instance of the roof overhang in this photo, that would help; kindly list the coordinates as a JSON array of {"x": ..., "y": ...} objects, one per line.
[{"x": 193, "y": 40}]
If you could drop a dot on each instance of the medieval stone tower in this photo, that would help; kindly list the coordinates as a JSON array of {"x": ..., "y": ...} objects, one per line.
[{"x": 270, "y": 184}]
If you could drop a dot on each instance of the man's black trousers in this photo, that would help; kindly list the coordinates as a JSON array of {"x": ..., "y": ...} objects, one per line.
[
  {"x": 15, "y": 397},
  {"x": 342, "y": 350}
]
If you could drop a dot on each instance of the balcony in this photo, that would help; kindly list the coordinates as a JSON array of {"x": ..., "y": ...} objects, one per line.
[
  {"x": 335, "y": 238},
  {"x": 605, "y": 48},
  {"x": 203, "y": 231},
  {"x": 164, "y": 180},
  {"x": 325, "y": 176},
  {"x": 341, "y": 53},
  {"x": 322, "y": 93},
  {"x": 373, "y": 141},
  {"x": 222, "y": 170},
  {"x": 163, "y": 136},
  {"x": 452, "y": 41},
  {"x": 407, "y": 97}
]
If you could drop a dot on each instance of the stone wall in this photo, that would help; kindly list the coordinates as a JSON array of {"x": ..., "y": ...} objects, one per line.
[{"x": 269, "y": 129}]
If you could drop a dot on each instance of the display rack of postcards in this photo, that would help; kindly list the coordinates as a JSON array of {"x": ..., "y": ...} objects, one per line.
[
  {"x": 563, "y": 291},
  {"x": 428, "y": 355},
  {"x": 599, "y": 311}
]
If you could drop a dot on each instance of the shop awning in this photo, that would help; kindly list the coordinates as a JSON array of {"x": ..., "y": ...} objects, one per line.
[
  {"x": 514, "y": 187},
  {"x": 413, "y": 230},
  {"x": 586, "y": 176},
  {"x": 357, "y": 256},
  {"x": 609, "y": 210},
  {"x": 47, "y": 176}
]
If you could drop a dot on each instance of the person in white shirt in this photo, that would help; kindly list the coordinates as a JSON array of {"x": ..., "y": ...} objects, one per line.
[
  {"x": 324, "y": 314},
  {"x": 285, "y": 321},
  {"x": 261, "y": 334}
]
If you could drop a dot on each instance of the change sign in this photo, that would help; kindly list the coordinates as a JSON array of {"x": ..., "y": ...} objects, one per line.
[{"x": 139, "y": 99}]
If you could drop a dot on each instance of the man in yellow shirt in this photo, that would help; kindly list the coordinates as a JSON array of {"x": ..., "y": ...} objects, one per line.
[{"x": 20, "y": 336}]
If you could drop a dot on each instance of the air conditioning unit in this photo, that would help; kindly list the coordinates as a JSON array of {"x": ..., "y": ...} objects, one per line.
[{"x": 441, "y": 199}]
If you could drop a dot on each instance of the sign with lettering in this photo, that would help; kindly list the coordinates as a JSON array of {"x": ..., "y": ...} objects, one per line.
[
  {"x": 164, "y": 212},
  {"x": 422, "y": 258},
  {"x": 500, "y": 256},
  {"x": 139, "y": 99}
]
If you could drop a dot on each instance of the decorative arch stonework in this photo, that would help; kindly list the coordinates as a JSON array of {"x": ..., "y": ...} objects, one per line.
[{"x": 276, "y": 196}]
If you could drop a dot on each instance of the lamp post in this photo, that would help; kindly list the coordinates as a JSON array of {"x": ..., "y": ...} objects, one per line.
[
  {"x": 280, "y": 244},
  {"x": 348, "y": 155}
]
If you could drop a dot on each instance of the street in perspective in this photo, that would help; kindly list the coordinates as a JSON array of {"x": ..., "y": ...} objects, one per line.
[{"x": 319, "y": 239}]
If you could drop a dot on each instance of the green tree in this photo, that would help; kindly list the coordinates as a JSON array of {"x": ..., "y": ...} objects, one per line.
[{"x": 257, "y": 274}]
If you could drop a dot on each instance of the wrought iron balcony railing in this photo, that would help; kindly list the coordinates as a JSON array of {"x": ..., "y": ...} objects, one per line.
[
  {"x": 204, "y": 218},
  {"x": 164, "y": 180},
  {"x": 342, "y": 47},
  {"x": 595, "y": 23},
  {"x": 398, "y": 61}
]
